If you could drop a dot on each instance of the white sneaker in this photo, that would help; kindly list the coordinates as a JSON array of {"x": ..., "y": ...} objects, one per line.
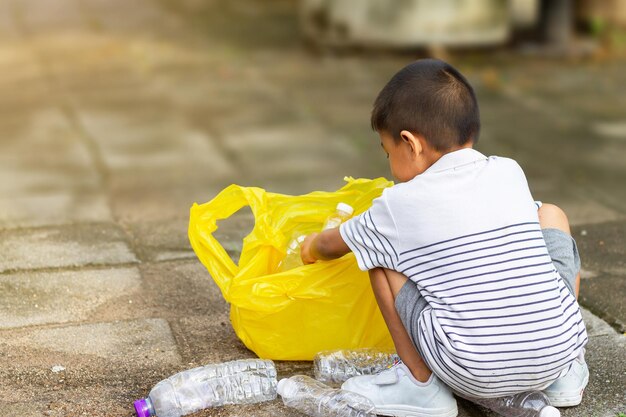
[
  {"x": 395, "y": 392},
  {"x": 567, "y": 391}
]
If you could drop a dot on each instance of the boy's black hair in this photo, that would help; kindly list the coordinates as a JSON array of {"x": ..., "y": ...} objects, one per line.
[{"x": 431, "y": 98}]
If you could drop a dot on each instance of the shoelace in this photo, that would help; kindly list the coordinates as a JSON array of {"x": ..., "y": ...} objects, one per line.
[{"x": 395, "y": 363}]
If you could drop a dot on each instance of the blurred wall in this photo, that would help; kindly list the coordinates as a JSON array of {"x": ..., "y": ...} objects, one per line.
[{"x": 611, "y": 11}]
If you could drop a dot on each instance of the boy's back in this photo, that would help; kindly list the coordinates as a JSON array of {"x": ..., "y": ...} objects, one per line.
[{"x": 499, "y": 317}]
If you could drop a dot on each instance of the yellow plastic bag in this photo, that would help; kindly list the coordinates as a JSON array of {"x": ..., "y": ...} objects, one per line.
[{"x": 294, "y": 314}]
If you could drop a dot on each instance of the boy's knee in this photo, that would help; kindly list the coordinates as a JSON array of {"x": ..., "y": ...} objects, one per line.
[{"x": 552, "y": 217}]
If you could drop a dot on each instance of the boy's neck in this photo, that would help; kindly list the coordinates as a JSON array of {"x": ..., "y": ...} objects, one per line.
[{"x": 431, "y": 156}]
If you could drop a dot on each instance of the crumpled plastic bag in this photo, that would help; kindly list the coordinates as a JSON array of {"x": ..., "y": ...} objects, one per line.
[{"x": 294, "y": 314}]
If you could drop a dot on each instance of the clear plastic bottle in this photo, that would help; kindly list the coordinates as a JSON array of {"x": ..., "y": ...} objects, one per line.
[
  {"x": 342, "y": 213},
  {"x": 238, "y": 382},
  {"x": 336, "y": 367},
  {"x": 318, "y": 400},
  {"x": 292, "y": 257},
  {"x": 524, "y": 404}
]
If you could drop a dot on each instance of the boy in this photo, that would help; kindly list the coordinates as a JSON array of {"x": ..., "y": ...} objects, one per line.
[{"x": 476, "y": 282}]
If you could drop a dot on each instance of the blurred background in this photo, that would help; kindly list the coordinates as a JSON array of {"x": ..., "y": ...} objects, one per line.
[
  {"x": 116, "y": 115},
  {"x": 129, "y": 108}
]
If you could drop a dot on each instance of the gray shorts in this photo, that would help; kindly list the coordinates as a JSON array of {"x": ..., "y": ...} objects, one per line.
[{"x": 561, "y": 247}]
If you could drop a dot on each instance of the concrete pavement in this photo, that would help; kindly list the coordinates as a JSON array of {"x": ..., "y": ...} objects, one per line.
[{"x": 116, "y": 116}]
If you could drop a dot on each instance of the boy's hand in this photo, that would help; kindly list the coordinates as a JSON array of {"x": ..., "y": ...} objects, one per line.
[
  {"x": 323, "y": 246},
  {"x": 305, "y": 249}
]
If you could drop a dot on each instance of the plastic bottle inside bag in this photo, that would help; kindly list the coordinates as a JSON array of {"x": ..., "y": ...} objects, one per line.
[
  {"x": 318, "y": 400},
  {"x": 335, "y": 367},
  {"x": 292, "y": 257},
  {"x": 342, "y": 213},
  {"x": 238, "y": 382},
  {"x": 524, "y": 404}
]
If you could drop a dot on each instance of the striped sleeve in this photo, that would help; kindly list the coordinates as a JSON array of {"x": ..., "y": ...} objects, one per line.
[{"x": 373, "y": 236}]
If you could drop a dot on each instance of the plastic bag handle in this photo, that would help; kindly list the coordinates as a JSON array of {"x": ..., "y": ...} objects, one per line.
[{"x": 225, "y": 204}]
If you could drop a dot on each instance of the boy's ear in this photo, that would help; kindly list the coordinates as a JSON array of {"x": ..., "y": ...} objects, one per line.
[{"x": 414, "y": 141}]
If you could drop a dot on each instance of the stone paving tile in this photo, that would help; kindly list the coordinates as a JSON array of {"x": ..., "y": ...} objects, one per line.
[
  {"x": 140, "y": 341},
  {"x": 179, "y": 289},
  {"x": 159, "y": 144},
  {"x": 602, "y": 246},
  {"x": 297, "y": 150},
  {"x": 280, "y": 140},
  {"x": 604, "y": 295},
  {"x": 20, "y": 179},
  {"x": 35, "y": 298},
  {"x": 22, "y": 71},
  {"x": 49, "y": 15},
  {"x": 95, "y": 15},
  {"x": 23, "y": 409},
  {"x": 145, "y": 200},
  {"x": 54, "y": 208},
  {"x": 198, "y": 344},
  {"x": 7, "y": 25},
  {"x": 272, "y": 408},
  {"x": 229, "y": 117},
  {"x": 99, "y": 69},
  {"x": 140, "y": 14},
  {"x": 42, "y": 153},
  {"x": 165, "y": 240},
  {"x": 603, "y": 284},
  {"x": 564, "y": 89},
  {"x": 83, "y": 388},
  {"x": 64, "y": 246},
  {"x": 96, "y": 399}
]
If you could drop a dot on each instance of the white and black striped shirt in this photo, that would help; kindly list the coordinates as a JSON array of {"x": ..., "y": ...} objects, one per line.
[{"x": 500, "y": 319}]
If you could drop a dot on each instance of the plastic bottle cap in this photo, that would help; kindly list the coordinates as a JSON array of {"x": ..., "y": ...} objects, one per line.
[
  {"x": 286, "y": 388},
  {"x": 141, "y": 408},
  {"x": 347, "y": 208},
  {"x": 549, "y": 411}
]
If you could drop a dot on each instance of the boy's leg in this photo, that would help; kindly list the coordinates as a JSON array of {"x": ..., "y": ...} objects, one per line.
[
  {"x": 408, "y": 388},
  {"x": 386, "y": 285},
  {"x": 568, "y": 390},
  {"x": 552, "y": 217}
]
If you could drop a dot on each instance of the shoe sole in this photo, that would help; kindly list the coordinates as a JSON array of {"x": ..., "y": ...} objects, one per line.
[
  {"x": 567, "y": 399},
  {"x": 407, "y": 411}
]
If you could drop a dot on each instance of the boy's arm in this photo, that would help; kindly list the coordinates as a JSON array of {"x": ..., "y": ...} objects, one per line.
[{"x": 323, "y": 246}]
